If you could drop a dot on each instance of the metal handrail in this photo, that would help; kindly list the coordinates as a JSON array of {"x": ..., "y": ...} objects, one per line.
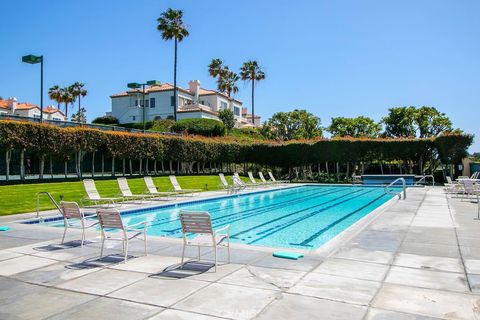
[
  {"x": 51, "y": 198},
  {"x": 399, "y": 194},
  {"x": 424, "y": 178}
]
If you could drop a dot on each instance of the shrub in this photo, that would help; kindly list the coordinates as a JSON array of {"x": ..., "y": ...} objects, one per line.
[
  {"x": 203, "y": 127},
  {"x": 162, "y": 125},
  {"x": 105, "y": 120}
]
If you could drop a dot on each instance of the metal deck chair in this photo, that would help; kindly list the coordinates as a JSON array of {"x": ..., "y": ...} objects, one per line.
[
  {"x": 253, "y": 182},
  {"x": 111, "y": 222},
  {"x": 200, "y": 225},
  {"x": 178, "y": 189},
  {"x": 127, "y": 193},
  {"x": 152, "y": 189},
  {"x": 91, "y": 194},
  {"x": 264, "y": 181},
  {"x": 72, "y": 215},
  {"x": 270, "y": 174},
  {"x": 224, "y": 184}
]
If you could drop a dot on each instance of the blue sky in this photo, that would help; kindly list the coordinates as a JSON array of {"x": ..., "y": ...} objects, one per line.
[{"x": 333, "y": 58}]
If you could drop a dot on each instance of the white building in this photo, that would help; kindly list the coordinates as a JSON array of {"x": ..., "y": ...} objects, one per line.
[
  {"x": 25, "y": 109},
  {"x": 194, "y": 102}
]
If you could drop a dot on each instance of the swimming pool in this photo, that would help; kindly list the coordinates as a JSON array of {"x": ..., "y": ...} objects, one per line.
[{"x": 303, "y": 217}]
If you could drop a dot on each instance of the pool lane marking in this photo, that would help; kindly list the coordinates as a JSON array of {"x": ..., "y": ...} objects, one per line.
[
  {"x": 168, "y": 220},
  {"x": 251, "y": 212},
  {"x": 334, "y": 223},
  {"x": 285, "y": 225},
  {"x": 293, "y": 213}
]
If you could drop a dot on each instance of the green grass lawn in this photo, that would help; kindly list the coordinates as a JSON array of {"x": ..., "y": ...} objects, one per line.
[{"x": 22, "y": 197}]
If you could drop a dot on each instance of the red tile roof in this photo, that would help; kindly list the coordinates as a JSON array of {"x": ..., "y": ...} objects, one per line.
[{"x": 3, "y": 104}]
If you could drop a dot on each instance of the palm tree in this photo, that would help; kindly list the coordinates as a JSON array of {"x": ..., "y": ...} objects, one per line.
[
  {"x": 55, "y": 94},
  {"x": 227, "y": 82},
  {"x": 250, "y": 71},
  {"x": 67, "y": 98},
  {"x": 171, "y": 25},
  {"x": 216, "y": 67},
  {"x": 78, "y": 91}
]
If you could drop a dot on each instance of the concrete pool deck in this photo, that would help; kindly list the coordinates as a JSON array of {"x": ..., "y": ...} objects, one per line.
[{"x": 418, "y": 259}]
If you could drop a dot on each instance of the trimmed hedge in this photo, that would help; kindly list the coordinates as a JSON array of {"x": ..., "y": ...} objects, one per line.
[
  {"x": 46, "y": 141},
  {"x": 203, "y": 127}
]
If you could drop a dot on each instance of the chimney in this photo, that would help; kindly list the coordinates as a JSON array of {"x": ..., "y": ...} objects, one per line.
[
  {"x": 194, "y": 88},
  {"x": 244, "y": 111},
  {"x": 12, "y": 104}
]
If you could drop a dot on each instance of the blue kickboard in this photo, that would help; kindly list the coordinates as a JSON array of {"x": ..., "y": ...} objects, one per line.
[
  {"x": 287, "y": 255},
  {"x": 4, "y": 228}
]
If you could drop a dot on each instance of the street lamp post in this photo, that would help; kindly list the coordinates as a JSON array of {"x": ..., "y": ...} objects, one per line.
[
  {"x": 135, "y": 85},
  {"x": 31, "y": 59}
]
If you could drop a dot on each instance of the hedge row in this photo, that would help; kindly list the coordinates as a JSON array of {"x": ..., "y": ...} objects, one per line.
[{"x": 68, "y": 143}]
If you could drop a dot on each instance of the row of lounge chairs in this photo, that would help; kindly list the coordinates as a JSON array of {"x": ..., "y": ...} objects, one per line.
[
  {"x": 151, "y": 191},
  {"x": 464, "y": 186},
  {"x": 238, "y": 184}
]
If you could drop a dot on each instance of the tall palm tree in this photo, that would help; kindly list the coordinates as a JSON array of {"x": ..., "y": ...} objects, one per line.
[
  {"x": 216, "y": 67},
  {"x": 78, "y": 91},
  {"x": 55, "y": 94},
  {"x": 67, "y": 98},
  {"x": 250, "y": 71},
  {"x": 171, "y": 25},
  {"x": 227, "y": 82}
]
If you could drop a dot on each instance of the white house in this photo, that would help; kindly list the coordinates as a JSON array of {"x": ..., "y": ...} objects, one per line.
[
  {"x": 29, "y": 110},
  {"x": 194, "y": 102}
]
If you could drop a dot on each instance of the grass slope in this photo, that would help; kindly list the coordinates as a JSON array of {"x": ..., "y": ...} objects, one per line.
[{"x": 22, "y": 197}]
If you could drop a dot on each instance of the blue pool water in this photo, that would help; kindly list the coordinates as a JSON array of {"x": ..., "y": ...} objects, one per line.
[{"x": 301, "y": 217}]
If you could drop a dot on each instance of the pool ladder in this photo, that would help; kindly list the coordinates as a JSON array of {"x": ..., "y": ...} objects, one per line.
[
  {"x": 424, "y": 179},
  {"x": 51, "y": 198},
  {"x": 399, "y": 194}
]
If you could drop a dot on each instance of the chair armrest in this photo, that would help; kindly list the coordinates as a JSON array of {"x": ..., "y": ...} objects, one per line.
[
  {"x": 227, "y": 227},
  {"x": 132, "y": 227}
]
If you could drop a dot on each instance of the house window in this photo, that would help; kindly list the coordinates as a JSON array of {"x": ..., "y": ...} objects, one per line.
[
  {"x": 152, "y": 102},
  {"x": 172, "y": 101},
  {"x": 223, "y": 105},
  {"x": 146, "y": 103},
  {"x": 36, "y": 116},
  {"x": 133, "y": 118},
  {"x": 237, "y": 111},
  {"x": 57, "y": 119}
]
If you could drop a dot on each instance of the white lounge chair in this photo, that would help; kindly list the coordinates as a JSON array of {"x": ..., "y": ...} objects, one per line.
[
  {"x": 264, "y": 181},
  {"x": 200, "y": 224},
  {"x": 92, "y": 195},
  {"x": 111, "y": 223},
  {"x": 178, "y": 189},
  {"x": 224, "y": 184},
  {"x": 469, "y": 189},
  {"x": 270, "y": 174},
  {"x": 73, "y": 217},
  {"x": 152, "y": 189},
  {"x": 253, "y": 182},
  {"x": 127, "y": 193},
  {"x": 238, "y": 183}
]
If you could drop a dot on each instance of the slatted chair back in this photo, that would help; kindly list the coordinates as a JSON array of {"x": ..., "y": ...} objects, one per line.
[
  {"x": 223, "y": 180},
  {"x": 196, "y": 222},
  {"x": 174, "y": 182},
  {"x": 236, "y": 175},
  {"x": 468, "y": 186},
  {"x": 270, "y": 174},
  {"x": 124, "y": 187},
  {"x": 110, "y": 219},
  {"x": 260, "y": 174},
  {"x": 91, "y": 189},
  {"x": 250, "y": 176},
  {"x": 449, "y": 180},
  {"x": 150, "y": 185},
  {"x": 71, "y": 210}
]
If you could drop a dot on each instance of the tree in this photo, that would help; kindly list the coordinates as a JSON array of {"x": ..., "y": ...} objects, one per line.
[
  {"x": 78, "y": 91},
  {"x": 354, "y": 127},
  {"x": 171, "y": 25},
  {"x": 297, "y": 124},
  {"x": 66, "y": 97},
  {"x": 55, "y": 94},
  {"x": 227, "y": 82},
  {"x": 80, "y": 116},
  {"x": 431, "y": 122},
  {"x": 400, "y": 122},
  {"x": 106, "y": 120},
  {"x": 250, "y": 71},
  {"x": 215, "y": 68},
  {"x": 228, "y": 118}
]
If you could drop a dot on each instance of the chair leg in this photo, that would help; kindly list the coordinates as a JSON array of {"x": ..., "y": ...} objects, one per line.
[
  {"x": 198, "y": 253},
  {"x": 183, "y": 254},
  {"x": 64, "y": 233},
  {"x": 83, "y": 237},
  {"x": 126, "y": 251},
  {"x": 103, "y": 242},
  {"x": 228, "y": 249},
  {"x": 215, "y": 258},
  {"x": 145, "y": 240}
]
